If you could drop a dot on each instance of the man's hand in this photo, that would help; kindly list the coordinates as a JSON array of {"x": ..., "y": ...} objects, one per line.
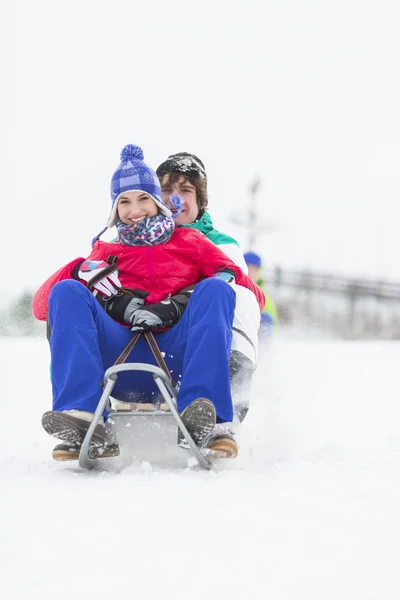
[
  {"x": 155, "y": 316},
  {"x": 122, "y": 305},
  {"x": 162, "y": 314},
  {"x": 99, "y": 277},
  {"x": 128, "y": 306}
]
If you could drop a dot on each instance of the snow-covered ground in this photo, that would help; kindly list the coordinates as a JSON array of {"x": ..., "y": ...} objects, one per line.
[{"x": 310, "y": 509}]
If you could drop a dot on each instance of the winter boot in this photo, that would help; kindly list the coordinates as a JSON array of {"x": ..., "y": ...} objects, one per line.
[
  {"x": 221, "y": 442},
  {"x": 72, "y": 425},
  {"x": 241, "y": 371},
  {"x": 70, "y": 451},
  {"x": 199, "y": 419}
]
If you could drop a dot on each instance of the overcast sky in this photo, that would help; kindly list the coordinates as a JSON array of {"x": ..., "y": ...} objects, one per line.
[{"x": 305, "y": 94}]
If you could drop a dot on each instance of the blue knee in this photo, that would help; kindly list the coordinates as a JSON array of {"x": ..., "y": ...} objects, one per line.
[
  {"x": 68, "y": 288},
  {"x": 213, "y": 300},
  {"x": 71, "y": 301},
  {"x": 218, "y": 288}
]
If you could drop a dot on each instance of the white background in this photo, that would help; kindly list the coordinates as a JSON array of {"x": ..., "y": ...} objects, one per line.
[{"x": 305, "y": 94}]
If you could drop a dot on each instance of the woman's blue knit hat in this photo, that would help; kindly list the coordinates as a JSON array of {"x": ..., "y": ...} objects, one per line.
[{"x": 134, "y": 175}]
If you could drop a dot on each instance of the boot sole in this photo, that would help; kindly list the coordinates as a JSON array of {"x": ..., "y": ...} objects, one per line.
[
  {"x": 63, "y": 452},
  {"x": 222, "y": 447},
  {"x": 71, "y": 429},
  {"x": 199, "y": 419}
]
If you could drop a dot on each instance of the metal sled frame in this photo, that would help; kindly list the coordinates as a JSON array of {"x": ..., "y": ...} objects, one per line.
[{"x": 168, "y": 393}]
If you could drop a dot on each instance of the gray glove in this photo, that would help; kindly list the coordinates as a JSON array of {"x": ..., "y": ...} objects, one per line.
[
  {"x": 161, "y": 314},
  {"x": 155, "y": 316},
  {"x": 131, "y": 310}
]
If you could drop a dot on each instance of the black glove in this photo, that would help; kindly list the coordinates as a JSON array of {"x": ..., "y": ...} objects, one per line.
[
  {"x": 161, "y": 314},
  {"x": 120, "y": 306}
]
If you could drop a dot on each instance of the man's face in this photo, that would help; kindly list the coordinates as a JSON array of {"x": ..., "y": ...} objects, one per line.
[
  {"x": 185, "y": 190},
  {"x": 253, "y": 272}
]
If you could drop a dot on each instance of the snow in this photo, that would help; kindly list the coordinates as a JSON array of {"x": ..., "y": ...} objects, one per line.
[{"x": 309, "y": 509}]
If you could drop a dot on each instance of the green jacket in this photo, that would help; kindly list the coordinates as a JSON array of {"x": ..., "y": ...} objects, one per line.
[
  {"x": 205, "y": 225},
  {"x": 227, "y": 243}
]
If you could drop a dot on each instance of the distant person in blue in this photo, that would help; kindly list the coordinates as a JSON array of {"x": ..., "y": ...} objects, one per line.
[{"x": 269, "y": 316}]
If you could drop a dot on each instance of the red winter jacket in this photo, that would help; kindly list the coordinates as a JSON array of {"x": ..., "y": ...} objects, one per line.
[{"x": 187, "y": 258}]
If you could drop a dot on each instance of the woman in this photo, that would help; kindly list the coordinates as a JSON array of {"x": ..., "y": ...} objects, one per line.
[{"x": 93, "y": 308}]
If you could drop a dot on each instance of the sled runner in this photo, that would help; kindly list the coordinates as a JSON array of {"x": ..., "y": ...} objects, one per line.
[
  {"x": 169, "y": 396},
  {"x": 167, "y": 408},
  {"x": 85, "y": 437}
]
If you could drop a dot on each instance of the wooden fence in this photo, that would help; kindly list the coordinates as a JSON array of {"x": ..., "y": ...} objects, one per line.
[{"x": 350, "y": 308}]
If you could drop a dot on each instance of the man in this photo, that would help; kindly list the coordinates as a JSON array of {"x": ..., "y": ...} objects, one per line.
[
  {"x": 185, "y": 174},
  {"x": 269, "y": 316}
]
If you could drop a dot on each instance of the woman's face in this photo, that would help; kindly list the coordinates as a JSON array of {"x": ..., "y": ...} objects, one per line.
[
  {"x": 133, "y": 207},
  {"x": 185, "y": 190}
]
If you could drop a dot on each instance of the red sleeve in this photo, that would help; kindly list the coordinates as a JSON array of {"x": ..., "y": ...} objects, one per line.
[
  {"x": 214, "y": 259},
  {"x": 41, "y": 298}
]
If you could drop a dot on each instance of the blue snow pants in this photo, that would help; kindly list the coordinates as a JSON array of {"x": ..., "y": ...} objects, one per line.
[{"x": 85, "y": 341}]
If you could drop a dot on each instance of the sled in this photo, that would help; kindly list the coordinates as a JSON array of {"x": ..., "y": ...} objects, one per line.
[{"x": 168, "y": 408}]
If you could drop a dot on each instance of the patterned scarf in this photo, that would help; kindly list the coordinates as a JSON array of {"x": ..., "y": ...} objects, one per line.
[{"x": 149, "y": 232}]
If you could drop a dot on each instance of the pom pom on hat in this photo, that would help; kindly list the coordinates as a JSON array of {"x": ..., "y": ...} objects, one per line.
[
  {"x": 177, "y": 204},
  {"x": 131, "y": 151}
]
